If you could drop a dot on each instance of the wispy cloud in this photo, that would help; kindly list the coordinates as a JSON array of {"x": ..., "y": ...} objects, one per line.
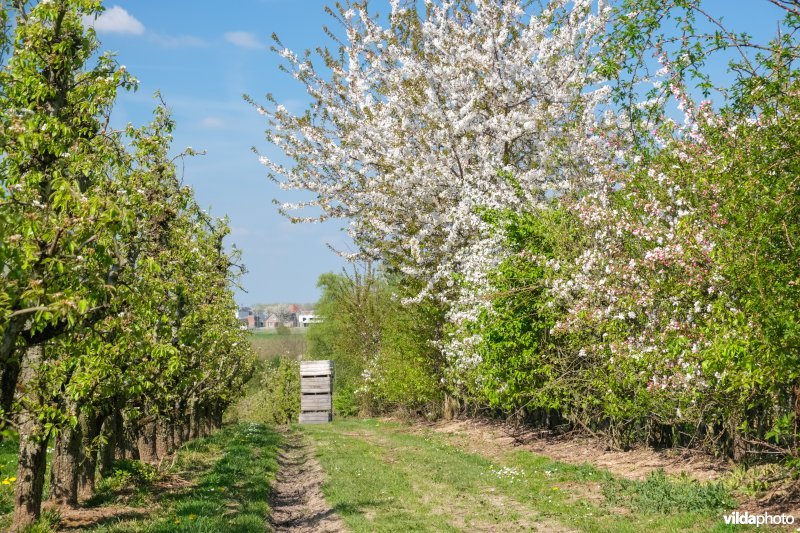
[
  {"x": 116, "y": 20},
  {"x": 244, "y": 39},
  {"x": 212, "y": 123},
  {"x": 179, "y": 41}
]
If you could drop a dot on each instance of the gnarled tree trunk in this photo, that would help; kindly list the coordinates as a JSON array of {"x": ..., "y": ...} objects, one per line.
[
  {"x": 33, "y": 438},
  {"x": 64, "y": 465},
  {"x": 147, "y": 442},
  {"x": 91, "y": 424},
  {"x": 163, "y": 438}
]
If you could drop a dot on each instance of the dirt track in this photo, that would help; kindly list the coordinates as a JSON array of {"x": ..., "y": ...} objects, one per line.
[{"x": 297, "y": 502}]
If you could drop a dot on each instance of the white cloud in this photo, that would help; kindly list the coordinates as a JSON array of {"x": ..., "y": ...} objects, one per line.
[
  {"x": 243, "y": 39},
  {"x": 116, "y": 20},
  {"x": 212, "y": 123},
  {"x": 180, "y": 41}
]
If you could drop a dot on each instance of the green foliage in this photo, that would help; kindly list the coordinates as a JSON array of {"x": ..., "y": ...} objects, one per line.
[
  {"x": 728, "y": 310},
  {"x": 520, "y": 363},
  {"x": 382, "y": 349},
  {"x": 107, "y": 259},
  {"x": 274, "y": 396}
]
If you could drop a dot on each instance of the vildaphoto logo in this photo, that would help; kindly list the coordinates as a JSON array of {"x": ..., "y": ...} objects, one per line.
[{"x": 764, "y": 519}]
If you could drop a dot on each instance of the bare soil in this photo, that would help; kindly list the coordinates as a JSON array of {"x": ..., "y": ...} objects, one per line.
[
  {"x": 297, "y": 502},
  {"x": 78, "y": 518}
]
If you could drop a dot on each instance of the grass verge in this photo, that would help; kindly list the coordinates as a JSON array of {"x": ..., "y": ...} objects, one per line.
[
  {"x": 384, "y": 477},
  {"x": 220, "y": 483}
]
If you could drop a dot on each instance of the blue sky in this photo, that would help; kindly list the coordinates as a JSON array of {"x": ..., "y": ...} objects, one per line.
[{"x": 203, "y": 56}]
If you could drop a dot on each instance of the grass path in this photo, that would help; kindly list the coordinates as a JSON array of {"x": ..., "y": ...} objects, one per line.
[{"x": 389, "y": 477}]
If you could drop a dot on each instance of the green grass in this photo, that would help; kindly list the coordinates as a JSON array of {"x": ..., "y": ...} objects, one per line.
[
  {"x": 229, "y": 477},
  {"x": 383, "y": 477},
  {"x": 269, "y": 345},
  {"x": 9, "y": 450}
]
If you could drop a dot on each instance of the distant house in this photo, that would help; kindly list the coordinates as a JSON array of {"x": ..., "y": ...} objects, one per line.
[
  {"x": 245, "y": 316},
  {"x": 305, "y": 319},
  {"x": 272, "y": 321},
  {"x": 260, "y": 317}
]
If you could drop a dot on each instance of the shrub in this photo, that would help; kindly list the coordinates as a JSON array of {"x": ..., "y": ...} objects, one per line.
[
  {"x": 382, "y": 348},
  {"x": 275, "y": 394}
]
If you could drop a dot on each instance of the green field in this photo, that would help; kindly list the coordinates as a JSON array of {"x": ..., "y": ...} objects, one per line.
[{"x": 269, "y": 344}]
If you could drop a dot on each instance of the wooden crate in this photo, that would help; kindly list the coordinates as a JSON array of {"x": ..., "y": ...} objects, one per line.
[{"x": 316, "y": 392}]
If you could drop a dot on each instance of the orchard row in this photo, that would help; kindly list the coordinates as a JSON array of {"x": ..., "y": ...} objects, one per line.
[{"x": 118, "y": 336}]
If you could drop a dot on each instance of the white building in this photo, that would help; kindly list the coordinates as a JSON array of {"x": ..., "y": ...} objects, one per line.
[{"x": 306, "y": 319}]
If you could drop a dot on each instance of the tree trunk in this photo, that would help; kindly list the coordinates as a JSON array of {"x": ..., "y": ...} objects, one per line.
[
  {"x": 109, "y": 449},
  {"x": 33, "y": 437},
  {"x": 194, "y": 421},
  {"x": 204, "y": 420},
  {"x": 218, "y": 412},
  {"x": 90, "y": 424},
  {"x": 64, "y": 466},
  {"x": 127, "y": 446},
  {"x": 171, "y": 442},
  {"x": 162, "y": 438},
  {"x": 147, "y": 443}
]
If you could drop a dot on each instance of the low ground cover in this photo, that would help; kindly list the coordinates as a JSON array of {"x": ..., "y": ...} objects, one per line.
[
  {"x": 220, "y": 483},
  {"x": 386, "y": 476}
]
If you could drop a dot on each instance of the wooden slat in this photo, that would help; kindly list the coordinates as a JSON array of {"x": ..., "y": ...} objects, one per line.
[
  {"x": 322, "y": 400},
  {"x": 317, "y": 373},
  {"x": 319, "y": 380},
  {"x": 316, "y": 384},
  {"x": 322, "y": 387},
  {"x": 316, "y": 368},
  {"x": 316, "y": 364},
  {"x": 315, "y": 402},
  {"x": 315, "y": 417}
]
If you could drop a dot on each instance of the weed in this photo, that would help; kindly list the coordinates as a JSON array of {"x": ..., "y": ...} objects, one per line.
[{"x": 663, "y": 494}]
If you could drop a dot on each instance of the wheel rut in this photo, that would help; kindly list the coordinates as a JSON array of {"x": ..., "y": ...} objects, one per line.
[{"x": 297, "y": 502}]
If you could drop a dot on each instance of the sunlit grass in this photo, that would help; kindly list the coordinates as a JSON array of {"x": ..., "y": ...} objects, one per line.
[
  {"x": 229, "y": 474},
  {"x": 381, "y": 476}
]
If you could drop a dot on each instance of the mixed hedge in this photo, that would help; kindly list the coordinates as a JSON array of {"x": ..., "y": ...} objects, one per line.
[{"x": 566, "y": 232}]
